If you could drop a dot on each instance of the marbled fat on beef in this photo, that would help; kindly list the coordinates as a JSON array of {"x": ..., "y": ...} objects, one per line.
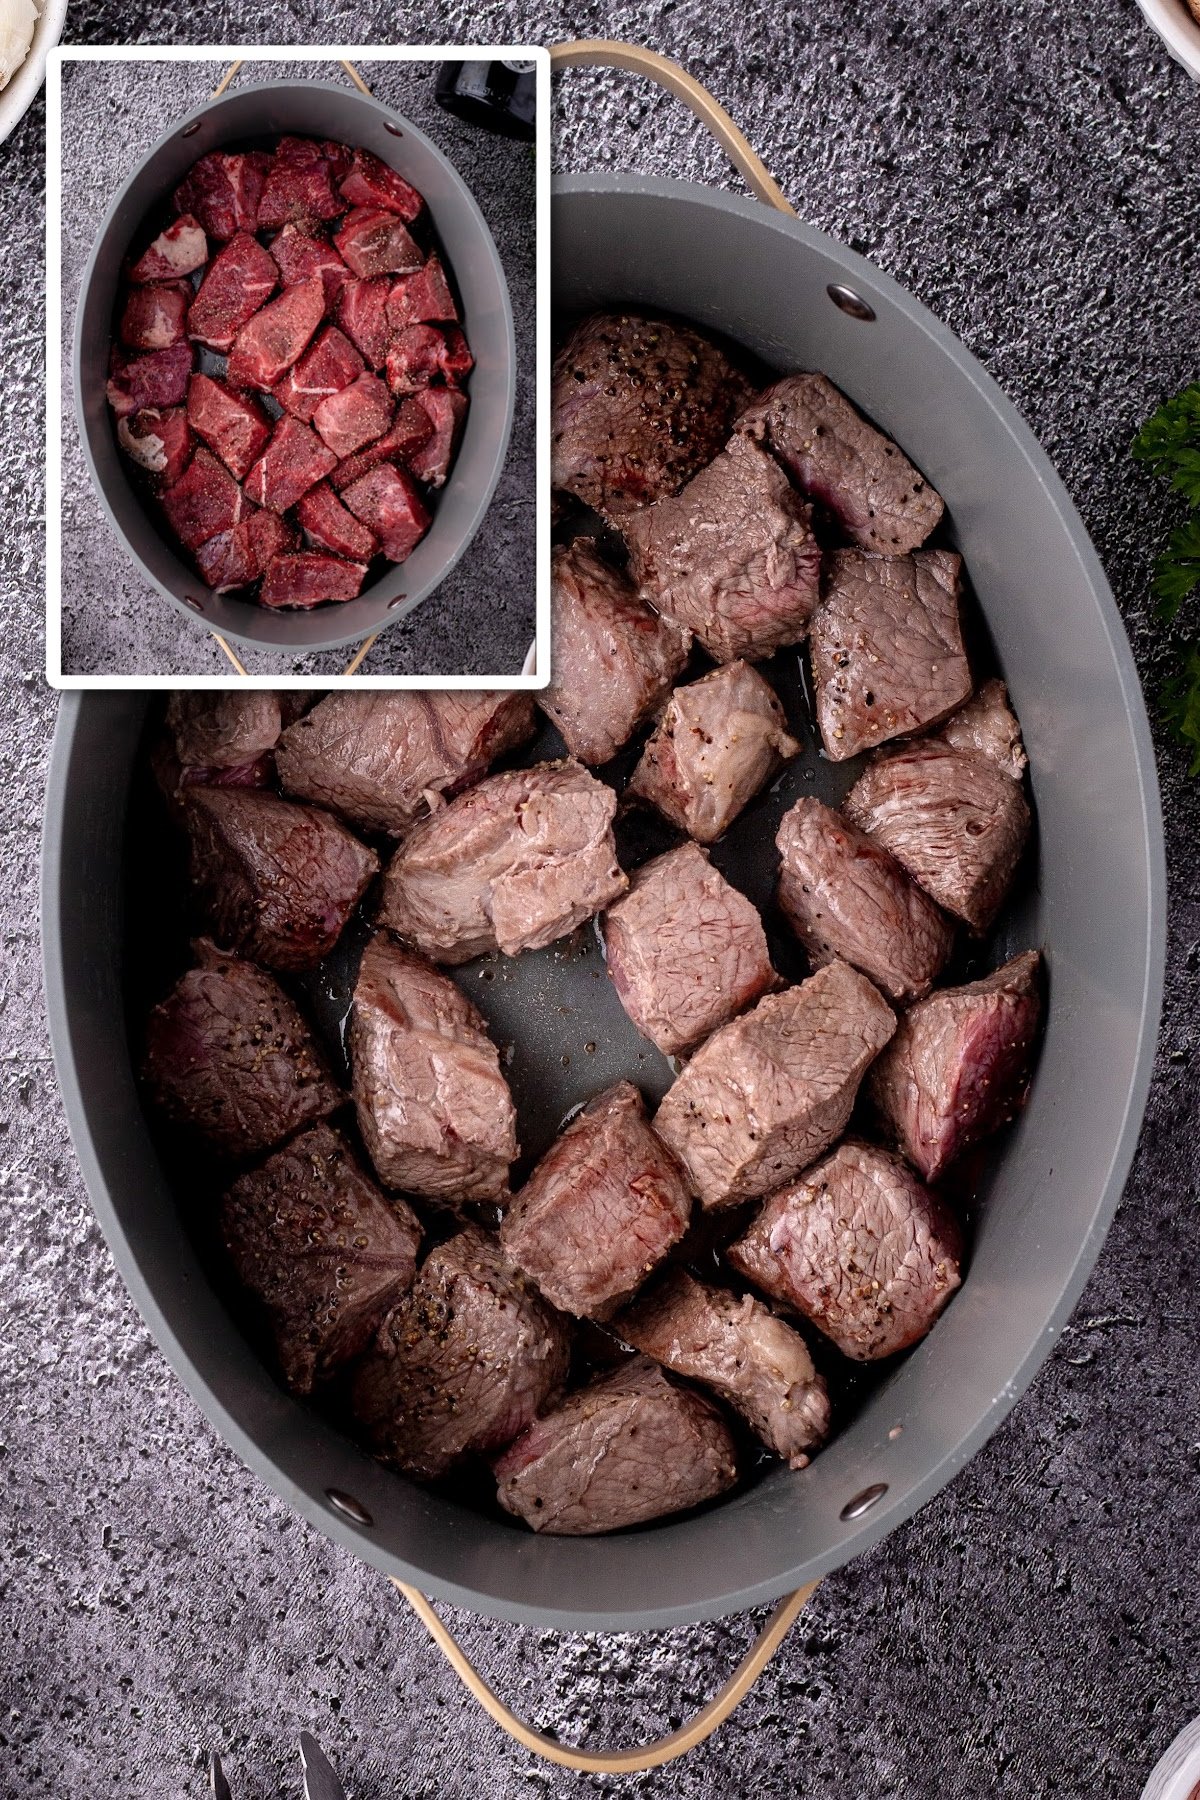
[
  {"x": 328, "y": 365},
  {"x": 233, "y": 425},
  {"x": 293, "y": 461},
  {"x": 265, "y": 348},
  {"x": 374, "y": 241},
  {"x": 239, "y": 556},
  {"x": 155, "y": 316},
  {"x": 370, "y": 182},
  {"x": 446, "y": 410},
  {"x": 238, "y": 282},
  {"x": 222, "y": 191},
  {"x": 298, "y": 193},
  {"x": 178, "y": 250},
  {"x": 423, "y": 298},
  {"x": 362, "y": 315},
  {"x": 404, "y": 442},
  {"x": 159, "y": 440},
  {"x": 299, "y": 256},
  {"x": 356, "y": 415}
]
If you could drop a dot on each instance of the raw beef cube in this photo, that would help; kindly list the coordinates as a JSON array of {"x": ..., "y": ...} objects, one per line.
[
  {"x": 301, "y": 257},
  {"x": 240, "y": 280},
  {"x": 685, "y": 950},
  {"x": 770, "y": 1092},
  {"x": 733, "y": 557},
  {"x": 404, "y": 442},
  {"x": 859, "y": 1247},
  {"x": 265, "y": 349},
  {"x": 356, "y": 415},
  {"x": 234, "y": 559},
  {"x": 205, "y": 500},
  {"x": 329, "y": 364},
  {"x": 179, "y": 250},
  {"x": 329, "y": 526},
  {"x": 456, "y": 359},
  {"x": 414, "y": 358},
  {"x": 233, "y": 425},
  {"x": 159, "y": 378},
  {"x": 157, "y": 439},
  {"x": 423, "y": 298},
  {"x": 958, "y": 1066},
  {"x": 310, "y": 577},
  {"x": 294, "y": 459},
  {"x": 298, "y": 193},
  {"x": 223, "y": 731},
  {"x": 602, "y": 1208},
  {"x": 886, "y": 647},
  {"x": 389, "y": 502},
  {"x": 987, "y": 724},
  {"x": 447, "y": 409},
  {"x": 373, "y": 241},
  {"x": 433, "y": 1107},
  {"x": 223, "y": 192},
  {"x": 154, "y": 316},
  {"x": 370, "y": 182},
  {"x": 362, "y": 315}
]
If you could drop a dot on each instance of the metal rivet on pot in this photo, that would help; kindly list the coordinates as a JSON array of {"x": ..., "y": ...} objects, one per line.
[
  {"x": 190, "y": 130},
  {"x": 191, "y": 600},
  {"x": 398, "y": 601},
  {"x": 394, "y": 129},
  {"x": 347, "y": 1504},
  {"x": 862, "y": 1503},
  {"x": 850, "y": 302}
]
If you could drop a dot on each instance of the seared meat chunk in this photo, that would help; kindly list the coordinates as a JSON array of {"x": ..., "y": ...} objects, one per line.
[
  {"x": 465, "y": 1361},
  {"x": 322, "y": 1249},
  {"x": 768, "y": 1093},
  {"x": 955, "y": 820},
  {"x": 845, "y": 464},
  {"x": 630, "y": 1447},
  {"x": 613, "y": 658},
  {"x": 601, "y": 1209},
  {"x": 434, "y": 1110},
  {"x": 517, "y": 862},
  {"x": 718, "y": 743},
  {"x": 637, "y": 405},
  {"x": 988, "y": 725},
  {"x": 958, "y": 1065},
  {"x": 860, "y": 1247},
  {"x": 886, "y": 646},
  {"x": 735, "y": 1345},
  {"x": 278, "y": 881},
  {"x": 732, "y": 557},
  {"x": 223, "y": 731},
  {"x": 686, "y": 951},
  {"x": 844, "y": 895}
]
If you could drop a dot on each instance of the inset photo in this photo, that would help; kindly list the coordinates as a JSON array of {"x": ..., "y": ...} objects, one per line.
[{"x": 298, "y": 367}]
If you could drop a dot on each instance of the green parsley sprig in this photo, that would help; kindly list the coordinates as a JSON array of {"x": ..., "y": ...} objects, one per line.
[{"x": 1169, "y": 442}]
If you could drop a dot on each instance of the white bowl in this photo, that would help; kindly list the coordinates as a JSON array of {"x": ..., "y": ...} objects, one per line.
[
  {"x": 22, "y": 90},
  {"x": 1178, "y": 30}
]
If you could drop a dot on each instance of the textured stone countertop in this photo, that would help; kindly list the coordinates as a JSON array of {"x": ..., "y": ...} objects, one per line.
[{"x": 1028, "y": 168}]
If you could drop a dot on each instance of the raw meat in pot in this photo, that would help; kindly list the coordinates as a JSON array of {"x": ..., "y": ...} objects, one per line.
[
  {"x": 157, "y": 378},
  {"x": 389, "y": 503},
  {"x": 155, "y": 316},
  {"x": 328, "y": 365},
  {"x": 328, "y": 525},
  {"x": 413, "y": 428},
  {"x": 233, "y": 425},
  {"x": 238, "y": 282},
  {"x": 179, "y": 250},
  {"x": 235, "y": 558},
  {"x": 293, "y": 461},
  {"x": 309, "y": 578},
  {"x": 223, "y": 191},
  {"x": 423, "y": 298},
  {"x": 371, "y": 182},
  {"x": 355, "y": 415},
  {"x": 299, "y": 256},
  {"x": 159, "y": 440},
  {"x": 446, "y": 409},
  {"x": 374, "y": 241},
  {"x": 362, "y": 315},
  {"x": 204, "y": 501},
  {"x": 265, "y": 349},
  {"x": 298, "y": 193}
]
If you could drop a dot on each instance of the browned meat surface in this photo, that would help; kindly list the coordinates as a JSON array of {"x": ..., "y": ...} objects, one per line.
[
  {"x": 630, "y": 1447},
  {"x": 955, "y": 820},
  {"x": 229, "y": 1056},
  {"x": 223, "y": 731},
  {"x": 959, "y": 1064},
  {"x": 770, "y": 1092},
  {"x": 322, "y": 1250},
  {"x": 686, "y": 951},
  {"x": 278, "y": 881},
  {"x": 731, "y": 558},
  {"x": 601, "y": 1209},
  {"x": 465, "y": 1361},
  {"x": 845, "y": 464},
  {"x": 858, "y": 1246},
  {"x": 517, "y": 862},
  {"x": 382, "y": 759},
  {"x": 718, "y": 743},
  {"x": 886, "y": 646},
  {"x": 613, "y": 658},
  {"x": 844, "y": 895},
  {"x": 434, "y": 1110},
  {"x": 988, "y": 725},
  {"x": 637, "y": 405}
]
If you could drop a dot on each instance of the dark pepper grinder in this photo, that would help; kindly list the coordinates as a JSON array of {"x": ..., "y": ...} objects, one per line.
[{"x": 500, "y": 96}]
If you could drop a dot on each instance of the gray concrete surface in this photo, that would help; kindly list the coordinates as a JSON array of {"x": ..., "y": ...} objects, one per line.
[
  {"x": 1029, "y": 168},
  {"x": 481, "y": 620}
]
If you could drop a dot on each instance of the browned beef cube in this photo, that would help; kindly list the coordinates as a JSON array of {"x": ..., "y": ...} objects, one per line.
[
  {"x": 179, "y": 250},
  {"x": 328, "y": 365},
  {"x": 293, "y": 461},
  {"x": 770, "y": 1092},
  {"x": 236, "y": 557},
  {"x": 299, "y": 256},
  {"x": 355, "y": 415},
  {"x": 310, "y": 578},
  {"x": 389, "y": 503},
  {"x": 223, "y": 731},
  {"x": 265, "y": 348},
  {"x": 155, "y": 316},
  {"x": 446, "y": 409},
  {"x": 204, "y": 501},
  {"x": 362, "y": 315},
  {"x": 238, "y": 282},
  {"x": 329, "y": 526},
  {"x": 322, "y": 1249},
  {"x": 158, "y": 378},
  {"x": 411, "y": 430},
  {"x": 223, "y": 192},
  {"x": 421, "y": 299},
  {"x": 374, "y": 241},
  {"x": 686, "y": 952},
  {"x": 370, "y": 182},
  {"x": 434, "y": 1110},
  {"x": 732, "y": 557},
  {"x": 845, "y": 896},
  {"x": 959, "y": 1064},
  {"x": 736, "y": 1346},
  {"x": 986, "y": 724},
  {"x": 858, "y": 1246},
  {"x": 298, "y": 193},
  {"x": 517, "y": 862},
  {"x": 629, "y": 1447},
  {"x": 601, "y": 1210},
  {"x": 159, "y": 440},
  {"x": 886, "y": 646},
  {"x": 466, "y": 1360},
  {"x": 233, "y": 425}
]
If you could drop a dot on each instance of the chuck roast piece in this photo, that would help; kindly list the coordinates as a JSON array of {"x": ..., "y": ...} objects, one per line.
[
  {"x": 278, "y": 881},
  {"x": 374, "y": 241},
  {"x": 770, "y": 1092},
  {"x": 735, "y": 1345},
  {"x": 310, "y": 578},
  {"x": 421, "y": 299},
  {"x": 223, "y": 731},
  {"x": 322, "y": 1249},
  {"x": 298, "y": 192},
  {"x": 409, "y": 436},
  {"x": 613, "y": 658},
  {"x": 434, "y": 1110},
  {"x": 299, "y": 256},
  {"x": 356, "y": 415},
  {"x": 238, "y": 556},
  {"x": 886, "y": 647},
  {"x": 629, "y": 1447},
  {"x": 955, "y": 820},
  {"x": 293, "y": 461},
  {"x": 370, "y": 182},
  {"x": 465, "y": 1361},
  {"x": 362, "y": 315},
  {"x": 159, "y": 440},
  {"x": 446, "y": 410},
  {"x": 179, "y": 250},
  {"x": 987, "y": 724},
  {"x": 959, "y": 1063},
  {"x": 240, "y": 279},
  {"x": 159, "y": 378},
  {"x": 223, "y": 191},
  {"x": 265, "y": 348},
  {"x": 153, "y": 316},
  {"x": 637, "y": 405},
  {"x": 718, "y": 743},
  {"x": 328, "y": 525},
  {"x": 329, "y": 364},
  {"x": 389, "y": 503},
  {"x": 858, "y": 1246},
  {"x": 844, "y": 896},
  {"x": 686, "y": 951},
  {"x": 233, "y": 425},
  {"x": 383, "y": 759},
  {"x": 204, "y": 502},
  {"x": 601, "y": 1210},
  {"x": 845, "y": 464},
  {"x": 732, "y": 557},
  {"x": 517, "y": 862}
]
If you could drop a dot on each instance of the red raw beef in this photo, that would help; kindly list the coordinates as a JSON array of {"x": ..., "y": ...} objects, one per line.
[
  {"x": 418, "y": 299},
  {"x": 362, "y": 315},
  {"x": 204, "y": 501},
  {"x": 240, "y": 280},
  {"x": 415, "y": 358},
  {"x": 447, "y": 408},
  {"x": 298, "y": 192},
  {"x": 223, "y": 192},
  {"x": 234, "y": 559},
  {"x": 179, "y": 250},
  {"x": 288, "y": 467},
  {"x": 154, "y": 316},
  {"x": 389, "y": 502},
  {"x": 340, "y": 158},
  {"x": 370, "y": 182},
  {"x": 233, "y": 425},
  {"x": 159, "y": 378},
  {"x": 302, "y": 257},
  {"x": 411, "y": 430},
  {"x": 158, "y": 439},
  {"x": 457, "y": 361},
  {"x": 374, "y": 241},
  {"x": 300, "y": 150},
  {"x": 310, "y": 577},
  {"x": 331, "y": 527},
  {"x": 265, "y": 349},
  {"x": 329, "y": 364},
  {"x": 355, "y": 416}
]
